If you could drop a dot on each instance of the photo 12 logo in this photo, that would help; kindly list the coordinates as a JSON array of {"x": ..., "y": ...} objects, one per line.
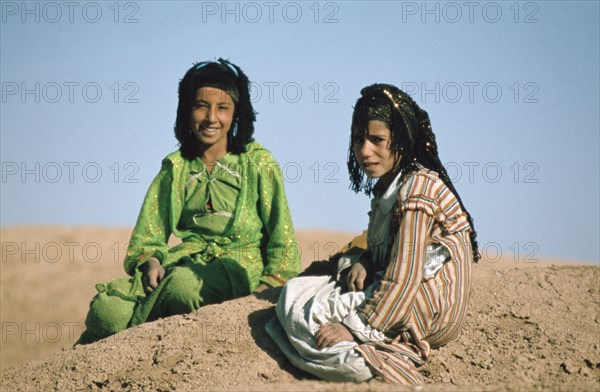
[
  {"x": 293, "y": 92},
  {"x": 54, "y": 172},
  {"x": 517, "y": 252},
  {"x": 69, "y": 92},
  {"x": 53, "y": 252},
  {"x": 69, "y": 12},
  {"x": 36, "y": 332},
  {"x": 270, "y": 11},
  {"x": 492, "y": 172},
  {"x": 472, "y": 91},
  {"x": 469, "y": 12}
]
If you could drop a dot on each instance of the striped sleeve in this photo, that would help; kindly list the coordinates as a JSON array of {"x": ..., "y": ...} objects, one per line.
[{"x": 392, "y": 302}]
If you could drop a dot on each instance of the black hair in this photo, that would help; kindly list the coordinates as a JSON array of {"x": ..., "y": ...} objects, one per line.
[
  {"x": 228, "y": 77},
  {"x": 411, "y": 137}
]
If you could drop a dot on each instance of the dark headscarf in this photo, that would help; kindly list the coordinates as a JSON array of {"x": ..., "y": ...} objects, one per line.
[
  {"x": 217, "y": 75},
  {"x": 412, "y": 139}
]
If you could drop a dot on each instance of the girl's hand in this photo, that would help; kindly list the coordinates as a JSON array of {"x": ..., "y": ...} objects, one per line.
[
  {"x": 153, "y": 274},
  {"x": 332, "y": 333},
  {"x": 356, "y": 277}
]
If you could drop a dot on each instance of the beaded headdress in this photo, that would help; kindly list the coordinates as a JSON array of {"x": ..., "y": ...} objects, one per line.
[{"x": 412, "y": 139}]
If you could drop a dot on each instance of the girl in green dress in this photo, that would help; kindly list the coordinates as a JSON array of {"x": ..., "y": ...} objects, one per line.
[{"x": 222, "y": 194}]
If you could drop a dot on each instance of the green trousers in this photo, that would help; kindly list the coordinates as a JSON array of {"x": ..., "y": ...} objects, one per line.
[{"x": 186, "y": 286}]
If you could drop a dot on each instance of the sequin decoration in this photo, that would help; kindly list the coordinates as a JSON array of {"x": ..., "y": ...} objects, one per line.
[{"x": 249, "y": 220}]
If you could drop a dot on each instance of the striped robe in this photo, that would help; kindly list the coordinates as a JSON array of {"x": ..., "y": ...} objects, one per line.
[{"x": 419, "y": 313}]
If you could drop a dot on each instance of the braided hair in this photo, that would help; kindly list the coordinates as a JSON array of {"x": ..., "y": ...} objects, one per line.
[
  {"x": 228, "y": 77},
  {"x": 411, "y": 138}
]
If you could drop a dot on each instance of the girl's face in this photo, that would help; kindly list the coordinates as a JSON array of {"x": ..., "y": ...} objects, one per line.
[
  {"x": 212, "y": 116},
  {"x": 372, "y": 152}
]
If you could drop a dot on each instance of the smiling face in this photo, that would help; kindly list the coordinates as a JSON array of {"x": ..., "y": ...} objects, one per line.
[
  {"x": 372, "y": 151},
  {"x": 211, "y": 117}
]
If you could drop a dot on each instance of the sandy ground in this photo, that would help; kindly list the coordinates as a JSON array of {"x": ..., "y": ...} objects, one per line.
[{"x": 533, "y": 326}]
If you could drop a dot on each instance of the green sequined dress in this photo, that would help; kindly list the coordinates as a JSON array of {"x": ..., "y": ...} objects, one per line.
[{"x": 236, "y": 232}]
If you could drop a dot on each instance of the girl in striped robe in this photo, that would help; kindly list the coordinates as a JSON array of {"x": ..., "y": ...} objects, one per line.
[{"x": 408, "y": 291}]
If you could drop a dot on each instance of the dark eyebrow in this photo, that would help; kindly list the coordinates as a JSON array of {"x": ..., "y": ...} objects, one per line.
[
  {"x": 197, "y": 101},
  {"x": 380, "y": 135}
]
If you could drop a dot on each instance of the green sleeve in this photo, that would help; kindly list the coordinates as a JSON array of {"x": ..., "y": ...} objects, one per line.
[
  {"x": 152, "y": 230},
  {"x": 283, "y": 253}
]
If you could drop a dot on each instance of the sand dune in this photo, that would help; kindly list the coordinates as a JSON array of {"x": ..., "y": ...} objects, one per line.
[{"x": 530, "y": 327}]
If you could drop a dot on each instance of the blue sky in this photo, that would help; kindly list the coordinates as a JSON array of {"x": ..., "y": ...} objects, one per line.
[{"x": 89, "y": 99}]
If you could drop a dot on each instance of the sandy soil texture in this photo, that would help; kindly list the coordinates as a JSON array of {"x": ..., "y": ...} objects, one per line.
[{"x": 532, "y": 326}]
